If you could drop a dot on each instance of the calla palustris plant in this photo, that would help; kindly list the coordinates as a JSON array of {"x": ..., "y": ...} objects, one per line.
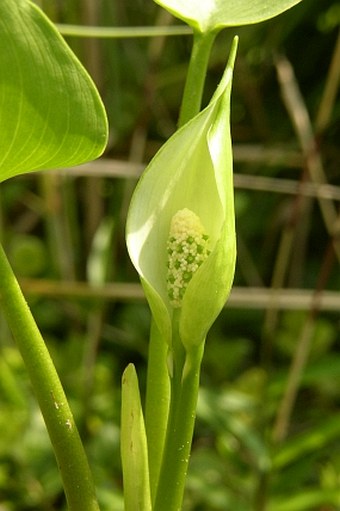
[{"x": 191, "y": 172}]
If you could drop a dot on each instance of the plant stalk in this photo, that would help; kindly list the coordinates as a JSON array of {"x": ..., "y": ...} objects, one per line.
[
  {"x": 194, "y": 85},
  {"x": 64, "y": 436},
  {"x": 156, "y": 403},
  {"x": 182, "y": 415}
]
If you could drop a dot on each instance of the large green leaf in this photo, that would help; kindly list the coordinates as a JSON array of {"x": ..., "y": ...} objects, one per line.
[
  {"x": 51, "y": 114},
  {"x": 206, "y": 15}
]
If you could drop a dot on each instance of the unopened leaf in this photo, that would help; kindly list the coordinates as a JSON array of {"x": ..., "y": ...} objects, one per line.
[{"x": 134, "y": 446}]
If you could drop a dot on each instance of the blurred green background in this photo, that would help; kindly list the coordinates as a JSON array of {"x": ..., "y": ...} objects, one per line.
[{"x": 268, "y": 428}]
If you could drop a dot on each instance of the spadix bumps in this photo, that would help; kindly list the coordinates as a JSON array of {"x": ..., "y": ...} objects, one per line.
[{"x": 187, "y": 248}]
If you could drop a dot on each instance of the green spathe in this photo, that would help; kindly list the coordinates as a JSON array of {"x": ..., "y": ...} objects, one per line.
[
  {"x": 192, "y": 170},
  {"x": 212, "y": 15},
  {"x": 51, "y": 114}
]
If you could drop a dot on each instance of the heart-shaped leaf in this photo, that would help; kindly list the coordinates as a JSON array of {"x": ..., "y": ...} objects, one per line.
[
  {"x": 51, "y": 114},
  {"x": 210, "y": 15}
]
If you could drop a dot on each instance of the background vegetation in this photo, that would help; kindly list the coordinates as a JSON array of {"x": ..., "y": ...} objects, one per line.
[{"x": 268, "y": 429}]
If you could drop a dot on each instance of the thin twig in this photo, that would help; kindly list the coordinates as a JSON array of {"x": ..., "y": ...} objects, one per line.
[
  {"x": 301, "y": 354},
  {"x": 106, "y": 167},
  {"x": 330, "y": 91},
  {"x": 303, "y": 127},
  {"x": 242, "y": 298},
  {"x": 300, "y": 119}
]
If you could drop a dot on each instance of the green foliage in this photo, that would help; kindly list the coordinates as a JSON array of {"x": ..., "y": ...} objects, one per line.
[
  {"x": 51, "y": 115},
  {"x": 50, "y": 112},
  {"x": 28, "y": 256},
  {"x": 93, "y": 339},
  {"x": 218, "y": 13}
]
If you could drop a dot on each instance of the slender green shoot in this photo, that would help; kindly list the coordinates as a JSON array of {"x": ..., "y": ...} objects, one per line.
[
  {"x": 184, "y": 393},
  {"x": 156, "y": 403},
  {"x": 194, "y": 85},
  {"x": 121, "y": 32},
  {"x": 67, "y": 445}
]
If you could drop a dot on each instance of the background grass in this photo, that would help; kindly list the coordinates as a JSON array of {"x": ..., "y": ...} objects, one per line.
[{"x": 268, "y": 429}]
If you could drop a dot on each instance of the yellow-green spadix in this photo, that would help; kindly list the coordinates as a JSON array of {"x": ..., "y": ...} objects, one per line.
[{"x": 187, "y": 248}]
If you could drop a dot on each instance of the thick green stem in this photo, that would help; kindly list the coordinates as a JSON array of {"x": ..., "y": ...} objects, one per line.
[
  {"x": 193, "y": 90},
  {"x": 185, "y": 385},
  {"x": 67, "y": 445},
  {"x": 157, "y": 403}
]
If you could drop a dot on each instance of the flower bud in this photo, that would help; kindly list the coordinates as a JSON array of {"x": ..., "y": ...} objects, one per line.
[{"x": 181, "y": 226}]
